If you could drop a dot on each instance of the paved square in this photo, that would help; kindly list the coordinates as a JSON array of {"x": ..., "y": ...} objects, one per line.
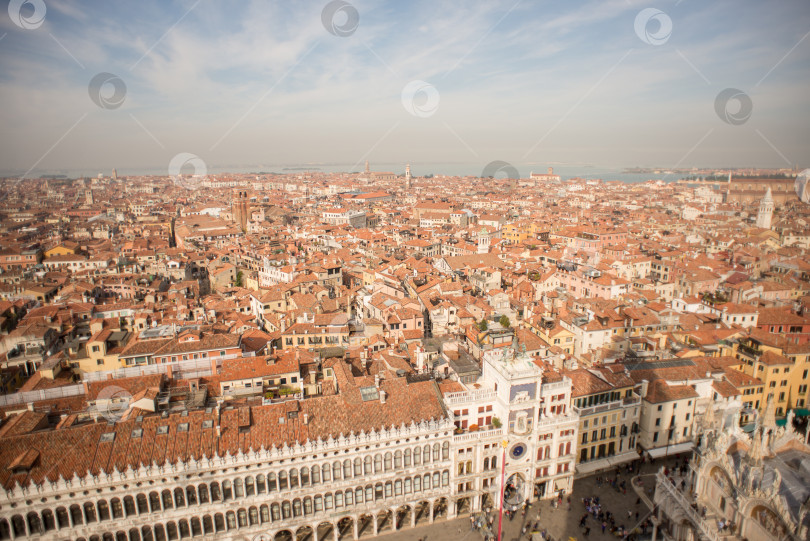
[{"x": 559, "y": 523}]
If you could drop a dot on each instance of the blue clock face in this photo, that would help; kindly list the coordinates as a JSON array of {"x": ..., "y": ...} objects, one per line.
[{"x": 517, "y": 451}]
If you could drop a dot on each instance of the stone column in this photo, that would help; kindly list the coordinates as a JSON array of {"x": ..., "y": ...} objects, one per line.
[
  {"x": 374, "y": 521},
  {"x": 430, "y": 516},
  {"x": 413, "y": 516},
  {"x": 356, "y": 527},
  {"x": 314, "y": 532},
  {"x": 394, "y": 519},
  {"x": 336, "y": 531}
]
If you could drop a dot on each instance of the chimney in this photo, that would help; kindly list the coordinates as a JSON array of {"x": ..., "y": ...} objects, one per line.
[
  {"x": 377, "y": 380},
  {"x": 382, "y": 396},
  {"x": 306, "y": 418},
  {"x": 213, "y": 366}
]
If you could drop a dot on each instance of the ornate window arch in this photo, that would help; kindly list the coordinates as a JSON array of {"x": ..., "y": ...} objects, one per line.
[
  {"x": 294, "y": 478},
  {"x": 216, "y": 492}
]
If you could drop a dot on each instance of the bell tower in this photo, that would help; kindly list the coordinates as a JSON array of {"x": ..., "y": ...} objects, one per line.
[
  {"x": 240, "y": 209},
  {"x": 765, "y": 214}
]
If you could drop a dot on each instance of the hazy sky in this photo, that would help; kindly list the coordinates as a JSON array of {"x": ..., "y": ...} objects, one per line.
[{"x": 257, "y": 83}]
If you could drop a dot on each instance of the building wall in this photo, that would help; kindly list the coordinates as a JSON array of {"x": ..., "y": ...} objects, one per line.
[
  {"x": 683, "y": 412},
  {"x": 239, "y": 497},
  {"x": 613, "y": 424}
]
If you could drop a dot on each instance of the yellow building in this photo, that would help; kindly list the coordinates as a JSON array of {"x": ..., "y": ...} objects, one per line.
[
  {"x": 519, "y": 231},
  {"x": 556, "y": 336},
  {"x": 320, "y": 331},
  {"x": 100, "y": 352},
  {"x": 751, "y": 390},
  {"x": 609, "y": 413},
  {"x": 782, "y": 366},
  {"x": 66, "y": 248}
]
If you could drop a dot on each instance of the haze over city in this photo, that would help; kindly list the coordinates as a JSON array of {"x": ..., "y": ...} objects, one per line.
[{"x": 265, "y": 84}]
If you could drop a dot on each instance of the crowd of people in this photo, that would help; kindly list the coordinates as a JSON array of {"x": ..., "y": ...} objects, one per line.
[{"x": 596, "y": 516}]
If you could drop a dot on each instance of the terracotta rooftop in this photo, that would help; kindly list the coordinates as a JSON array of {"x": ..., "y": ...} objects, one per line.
[{"x": 79, "y": 448}]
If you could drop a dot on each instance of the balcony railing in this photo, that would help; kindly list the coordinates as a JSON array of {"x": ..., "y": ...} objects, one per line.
[
  {"x": 749, "y": 350},
  {"x": 548, "y": 387},
  {"x": 242, "y": 391},
  {"x": 608, "y": 406},
  {"x": 554, "y": 419},
  {"x": 469, "y": 396},
  {"x": 685, "y": 505},
  {"x": 479, "y": 435}
]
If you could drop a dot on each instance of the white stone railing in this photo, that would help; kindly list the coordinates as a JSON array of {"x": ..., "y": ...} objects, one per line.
[
  {"x": 556, "y": 419},
  {"x": 479, "y": 435},
  {"x": 44, "y": 394},
  {"x": 685, "y": 505},
  {"x": 469, "y": 396},
  {"x": 149, "y": 369},
  {"x": 547, "y": 387},
  {"x": 202, "y": 366},
  {"x": 600, "y": 408}
]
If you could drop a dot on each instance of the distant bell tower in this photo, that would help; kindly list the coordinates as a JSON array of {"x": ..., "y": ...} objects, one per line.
[
  {"x": 367, "y": 170},
  {"x": 765, "y": 213},
  {"x": 483, "y": 241},
  {"x": 114, "y": 174},
  {"x": 728, "y": 188},
  {"x": 408, "y": 176},
  {"x": 239, "y": 208}
]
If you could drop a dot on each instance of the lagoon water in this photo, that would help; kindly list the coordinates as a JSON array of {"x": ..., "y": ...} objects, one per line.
[{"x": 565, "y": 171}]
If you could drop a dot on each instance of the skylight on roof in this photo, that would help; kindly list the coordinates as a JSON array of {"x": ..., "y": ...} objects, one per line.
[{"x": 369, "y": 393}]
